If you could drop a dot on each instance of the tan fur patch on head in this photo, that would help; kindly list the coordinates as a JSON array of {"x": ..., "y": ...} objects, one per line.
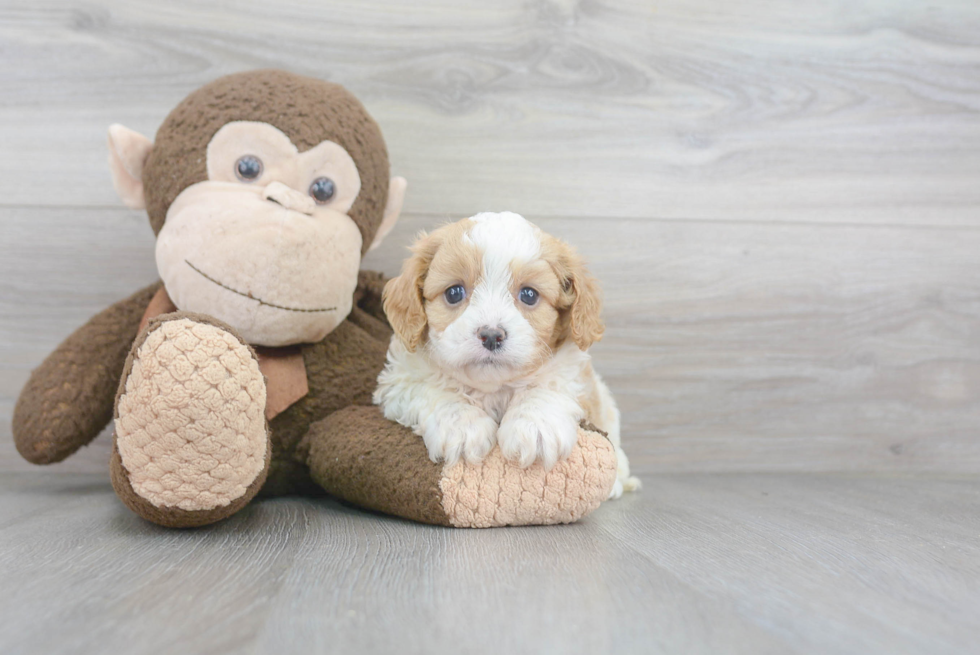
[
  {"x": 579, "y": 302},
  {"x": 456, "y": 262},
  {"x": 543, "y": 316},
  {"x": 439, "y": 260}
]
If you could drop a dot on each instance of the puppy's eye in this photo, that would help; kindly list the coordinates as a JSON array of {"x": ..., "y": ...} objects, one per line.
[
  {"x": 529, "y": 296},
  {"x": 248, "y": 168},
  {"x": 455, "y": 294},
  {"x": 322, "y": 190}
]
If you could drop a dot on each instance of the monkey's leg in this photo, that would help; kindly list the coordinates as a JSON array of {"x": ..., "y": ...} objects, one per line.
[
  {"x": 191, "y": 441},
  {"x": 68, "y": 398},
  {"x": 362, "y": 457}
]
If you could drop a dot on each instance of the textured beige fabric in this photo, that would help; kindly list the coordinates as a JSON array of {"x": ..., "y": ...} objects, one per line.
[
  {"x": 501, "y": 493},
  {"x": 191, "y": 426}
]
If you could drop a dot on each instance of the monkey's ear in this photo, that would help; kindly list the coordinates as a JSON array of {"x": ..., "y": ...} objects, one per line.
[
  {"x": 128, "y": 151},
  {"x": 393, "y": 209}
]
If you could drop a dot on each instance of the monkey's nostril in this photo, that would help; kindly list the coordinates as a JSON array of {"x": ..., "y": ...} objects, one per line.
[{"x": 492, "y": 338}]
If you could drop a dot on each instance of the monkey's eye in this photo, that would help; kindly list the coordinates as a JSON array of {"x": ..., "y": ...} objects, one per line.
[
  {"x": 322, "y": 190},
  {"x": 248, "y": 168},
  {"x": 455, "y": 294},
  {"x": 528, "y": 296}
]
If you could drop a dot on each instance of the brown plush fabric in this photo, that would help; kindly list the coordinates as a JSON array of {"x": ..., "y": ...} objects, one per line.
[
  {"x": 342, "y": 370},
  {"x": 368, "y": 312},
  {"x": 375, "y": 327},
  {"x": 307, "y": 110},
  {"x": 68, "y": 399},
  {"x": 287, "y": 476},
  {"x": 362, "y": 457},
  {"x": 370, "y": 293}
]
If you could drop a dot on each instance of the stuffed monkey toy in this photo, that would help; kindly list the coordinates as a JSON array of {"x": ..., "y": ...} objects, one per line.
[{"x": 248, "y": 369}]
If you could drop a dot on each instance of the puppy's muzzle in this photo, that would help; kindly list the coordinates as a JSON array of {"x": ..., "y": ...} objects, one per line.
[{"x": 492, "y": 338}]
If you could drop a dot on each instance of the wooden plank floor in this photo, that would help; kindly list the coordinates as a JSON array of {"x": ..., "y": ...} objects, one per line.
[
  {"x": 781, "y": 201},
  {"x": 697, "y": 563}
]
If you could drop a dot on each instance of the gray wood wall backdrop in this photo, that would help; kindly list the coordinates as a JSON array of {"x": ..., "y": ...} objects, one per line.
[{"x": 782, "y": 200}]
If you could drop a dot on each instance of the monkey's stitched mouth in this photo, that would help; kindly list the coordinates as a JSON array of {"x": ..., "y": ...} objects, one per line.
[{"x": 251, "y": 297}]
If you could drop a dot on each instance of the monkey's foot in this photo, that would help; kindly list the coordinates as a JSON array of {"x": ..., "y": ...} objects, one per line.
[
  {"x": 191, "y": 443},
  {"x": 360, "y": 456}
]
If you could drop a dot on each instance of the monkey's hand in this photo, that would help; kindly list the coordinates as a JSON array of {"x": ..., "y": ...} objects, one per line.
[{"x": 68, "y": 398}]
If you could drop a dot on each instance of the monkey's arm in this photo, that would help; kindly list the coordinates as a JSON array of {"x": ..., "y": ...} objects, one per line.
[{"x": 68, "y": 398}]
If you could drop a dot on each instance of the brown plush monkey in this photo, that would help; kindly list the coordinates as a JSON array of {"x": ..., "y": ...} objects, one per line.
[{"x": 250, "y": 367}]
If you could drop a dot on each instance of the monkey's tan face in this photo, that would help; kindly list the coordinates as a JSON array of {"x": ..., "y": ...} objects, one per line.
[{"x": 265, "y": 243}]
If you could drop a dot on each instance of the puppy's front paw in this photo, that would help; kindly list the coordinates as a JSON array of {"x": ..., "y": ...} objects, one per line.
[
  {"x": 457, "y": 430},
  {"x": 526, "y": 435}
]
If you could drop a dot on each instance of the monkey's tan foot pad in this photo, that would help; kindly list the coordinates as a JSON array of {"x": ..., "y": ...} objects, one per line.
[
  {"x": 191, "y": 443},
  {"x": 360, "y": 456},
  {"x": 499, "y": 492}
]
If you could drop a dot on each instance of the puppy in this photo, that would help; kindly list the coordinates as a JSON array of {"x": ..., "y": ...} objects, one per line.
[{"x": 493, "y": 320}]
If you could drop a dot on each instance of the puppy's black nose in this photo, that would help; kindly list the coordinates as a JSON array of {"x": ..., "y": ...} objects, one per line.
[{"x": 492, "y": 338}]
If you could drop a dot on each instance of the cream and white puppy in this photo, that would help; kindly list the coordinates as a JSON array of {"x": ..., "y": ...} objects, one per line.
[{"x": 493, "y": 319}]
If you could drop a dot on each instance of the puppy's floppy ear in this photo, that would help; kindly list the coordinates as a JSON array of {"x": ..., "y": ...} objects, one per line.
[
  {"x": 580, "y": 303},
  {"x": 402, "y": 297}
]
